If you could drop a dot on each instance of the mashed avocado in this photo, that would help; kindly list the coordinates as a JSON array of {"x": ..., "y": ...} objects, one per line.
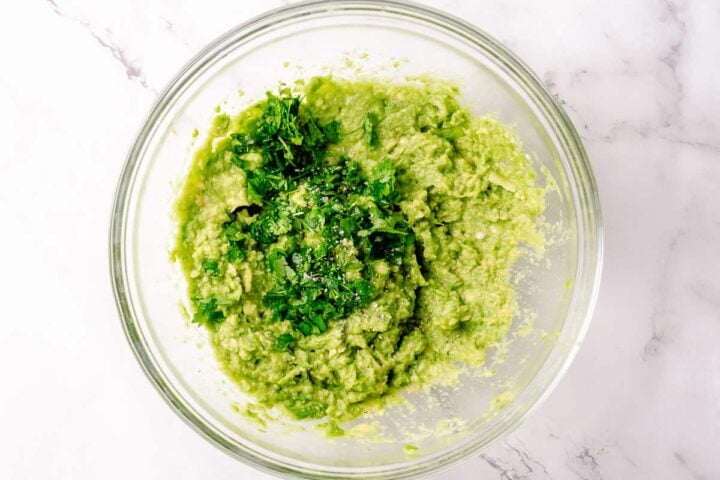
[{"x": 345, "y": 241}]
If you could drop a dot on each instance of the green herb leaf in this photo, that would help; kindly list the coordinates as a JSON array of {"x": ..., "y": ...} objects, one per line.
[
  {"x": 369, "y": 127},
  {"x": 382, "y": 183},
  {"x": 240, "y": 143},
  {"x": 237, "y": 161},
  {"x": 210, "y": 267},
  {"x": 236, "y": 253},
  {"x": 206, "y": 311},
  {"x": 332, "y": 131},
  {"x": 284, "y": 341}
]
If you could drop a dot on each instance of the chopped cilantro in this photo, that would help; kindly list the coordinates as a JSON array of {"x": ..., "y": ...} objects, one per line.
[
  {"x": 239, "y": 162},
  {"x": 284, "y": 341},
  {"x": 237, "y": 239},
  {"x": 382, "y": 183},
  {"x": 332, "y": 131},
  {"x": 352, "y": 217},
  {"x": 235, "y": 253},
  {"x": 211, "y": 267},
  {"x": 290, "y": 143},
  {"x": 369, "y": 127},
  {"x": 206, "y": 311},
  {"x": 316, "y": 285}
]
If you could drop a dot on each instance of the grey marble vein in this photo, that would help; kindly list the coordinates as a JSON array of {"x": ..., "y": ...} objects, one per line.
[
  {"x": 170, "y": 27},
  {"x": 506, "y": 471},
  {"x": 531, "y": 463},
  {"x": 688, "y": 468},
  {"x": 644, "y": 132},
  {"x": 517, "y": 464},
  {"x": 673, "y": 56},
  {"x": 662, "y": 310},
  {"x": 584, "y": 464},
  {"x": 132, "y": 70}
]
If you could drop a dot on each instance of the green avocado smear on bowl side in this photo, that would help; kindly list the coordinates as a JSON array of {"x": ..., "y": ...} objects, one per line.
[{"x": 344, "y": 240}]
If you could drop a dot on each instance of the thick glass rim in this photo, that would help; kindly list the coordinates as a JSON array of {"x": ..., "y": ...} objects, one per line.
[{"x": 583, "y": 189}]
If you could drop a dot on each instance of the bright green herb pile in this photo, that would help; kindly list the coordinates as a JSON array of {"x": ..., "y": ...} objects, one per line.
[{"x": 342, "y": 210}]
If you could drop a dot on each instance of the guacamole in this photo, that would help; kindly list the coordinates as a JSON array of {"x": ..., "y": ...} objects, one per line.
[{"x": 350, "y": 238}]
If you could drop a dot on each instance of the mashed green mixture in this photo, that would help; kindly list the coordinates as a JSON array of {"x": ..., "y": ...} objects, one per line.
[{"x": 352, "y": 238}]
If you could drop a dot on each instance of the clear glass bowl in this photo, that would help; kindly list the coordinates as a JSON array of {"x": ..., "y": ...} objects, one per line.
[{"x": 560, "y": 292}]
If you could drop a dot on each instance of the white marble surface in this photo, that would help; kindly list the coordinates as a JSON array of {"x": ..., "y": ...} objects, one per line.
[{"x": 642, "y": 81}]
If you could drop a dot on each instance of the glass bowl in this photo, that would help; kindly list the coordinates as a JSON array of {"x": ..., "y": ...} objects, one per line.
[{"x": 299, "y": 41}]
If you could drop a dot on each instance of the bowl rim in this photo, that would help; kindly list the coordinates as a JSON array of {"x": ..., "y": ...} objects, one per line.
[{"x": 588, "y": 272}]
